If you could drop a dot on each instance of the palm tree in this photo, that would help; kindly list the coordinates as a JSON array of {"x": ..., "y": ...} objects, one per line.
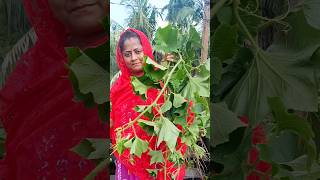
[
  {"x": 142, "y": 16},
  {"x": 14, "y": 25},
  {"x": 183, "y": 13},
  {"x": 13, "y": 55}
]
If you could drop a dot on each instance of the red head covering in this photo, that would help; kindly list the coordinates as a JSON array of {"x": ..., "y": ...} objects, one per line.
[
  {"x": 38, "y": 112},
  {"x": 123, "y": 102}
]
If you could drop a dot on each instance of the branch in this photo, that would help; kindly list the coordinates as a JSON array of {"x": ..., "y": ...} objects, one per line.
[
  {"x": 217, "y": 7},
  {"x": 126, "y": 126}
]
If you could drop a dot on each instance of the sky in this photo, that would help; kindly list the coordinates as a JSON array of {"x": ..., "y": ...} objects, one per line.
[{"x": 119, "y": 13}]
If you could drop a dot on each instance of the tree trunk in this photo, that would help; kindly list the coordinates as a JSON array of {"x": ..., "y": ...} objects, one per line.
[{"x": 205, "y": 31}]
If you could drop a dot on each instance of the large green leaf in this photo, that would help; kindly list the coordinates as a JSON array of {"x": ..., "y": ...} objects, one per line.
[
  {"x": 282, "y": 71},
  {"x": 168, "y": 133},
  {"x": 295, "y": 124},
  {"x": 166, "y": 39},
  {"x": 224, "y": 15},
  {"x": 139, "y": 87},
  {"x": 138, "y": 147},
  {"x": 312, "y": 13},
  {"x": 91, "y": 78},
  {"x": 287, "y": 121},
  {"x": 198, "y": 85},
  {"x": 224, "y": 122},
  {"x": 156, "y": 157},
  {"x": 153, "y": 70},
  {"x": 99, "y": 55},
  {"x": 178, "y": 100},
  {"x": 225, "y": 41},
  {"x": 178, "y": 78},
  {"x": 166, "y": 106},
  {"x": 299, "y": 171}
]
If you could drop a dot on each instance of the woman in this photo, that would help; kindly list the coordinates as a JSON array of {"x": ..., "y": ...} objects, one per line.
[
  {"x": 41, "y": 119},
  {"x": 132, "y": 47}
]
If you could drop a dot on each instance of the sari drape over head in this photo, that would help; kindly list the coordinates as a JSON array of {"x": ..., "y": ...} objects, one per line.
[{"x": 40, "y": 116}]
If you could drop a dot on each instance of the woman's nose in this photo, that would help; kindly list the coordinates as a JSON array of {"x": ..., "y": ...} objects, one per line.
[{"x": 134, "y": 56}]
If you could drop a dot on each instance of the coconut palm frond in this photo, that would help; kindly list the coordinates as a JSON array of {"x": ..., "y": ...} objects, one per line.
[
  {"x": 17, "y": 21},
  {"x": 11, "y": 58}
]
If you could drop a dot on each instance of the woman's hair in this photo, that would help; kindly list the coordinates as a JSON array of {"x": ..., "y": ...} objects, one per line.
[{"x": 127, "y": 35}]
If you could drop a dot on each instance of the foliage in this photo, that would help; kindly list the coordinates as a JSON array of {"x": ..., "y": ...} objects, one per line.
[
  {"x": 88, "y": 74},
  {"x": 142, "y": 16},
  {"x": 170, "y": 120},
  {"x": 14, "y": 25},
  {"x": 274, "y": 86},
  {"x": 183, "y": 13}
]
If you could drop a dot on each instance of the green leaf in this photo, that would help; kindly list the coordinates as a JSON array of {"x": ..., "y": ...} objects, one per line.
[
  {"x": 168, "y": 133},
  {"x": 225, "y": 42},
  {"x": 224, "y": 15},
  {"x": 156, "y": 157},
  {"x": 295, "y": 124},
  {"x": 287, "y": 121},
  {"x": 181, "y": 120},
  {"x": 91, "y": 78},
  {"x": 153, "y": 172},
  {"x": 138, "y": 87},
  {"x": 128, "y": 144},
  {"x": 73, "y": 54},
  {"x": 196, "y": 84},
  {"x": 153, "y": 70},
  {"x": 120, "y": 146},
  {"x": 166, "y": 39},
  {"x": 178, "y": 100},
  {"x": 154, "y": 64},
  {"x": 281, "y": 71},
  {"x": 91, "y": 148},
  {"x": 177, "y": 78},
  {"x": 300, "y": 172},
  {"x": 166, "y": 106},
  {"x": 99, "y": 54},
  {"x": 224, "y": 122},
  {"x": 140, "y": 108},
  {"x": 311, "y": 12},
  {"x": 83, "y": 149},
  {"x": 194, "y": 37},
  {"x": 138, "y": 147},
  {"x": 217, "y": 70},
  {"x": 148, "y": 126},
  {"x": 283, "y": 146},
  {"x": 176, "y": 157},
  {"x": 100, "y": 146}
]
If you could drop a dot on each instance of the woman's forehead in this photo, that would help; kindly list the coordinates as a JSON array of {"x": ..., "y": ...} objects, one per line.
[{"x": 132, "y": 43}]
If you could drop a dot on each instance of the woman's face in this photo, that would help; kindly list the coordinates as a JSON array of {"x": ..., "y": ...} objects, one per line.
[
  {"x": 133, "y": 55},
  {"x": 81, "y": 17}
]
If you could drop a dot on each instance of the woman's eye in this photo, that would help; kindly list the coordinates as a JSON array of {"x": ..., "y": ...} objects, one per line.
[
  {"x": 138, "y": 51},
  {"x": 126, "y": 54}
]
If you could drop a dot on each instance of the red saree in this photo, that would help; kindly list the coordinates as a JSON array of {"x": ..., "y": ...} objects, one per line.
[
  {"x": 38, "y": 112},
  {"x": 123, "y": 101}
]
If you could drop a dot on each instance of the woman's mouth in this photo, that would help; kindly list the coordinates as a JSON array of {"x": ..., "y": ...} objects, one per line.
[
  {"x": 136, "y": 64},
  {"x": 81, "y": 7}
]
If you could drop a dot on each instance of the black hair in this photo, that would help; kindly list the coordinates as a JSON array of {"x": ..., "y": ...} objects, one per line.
[{"x": 127, "y": 35}]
